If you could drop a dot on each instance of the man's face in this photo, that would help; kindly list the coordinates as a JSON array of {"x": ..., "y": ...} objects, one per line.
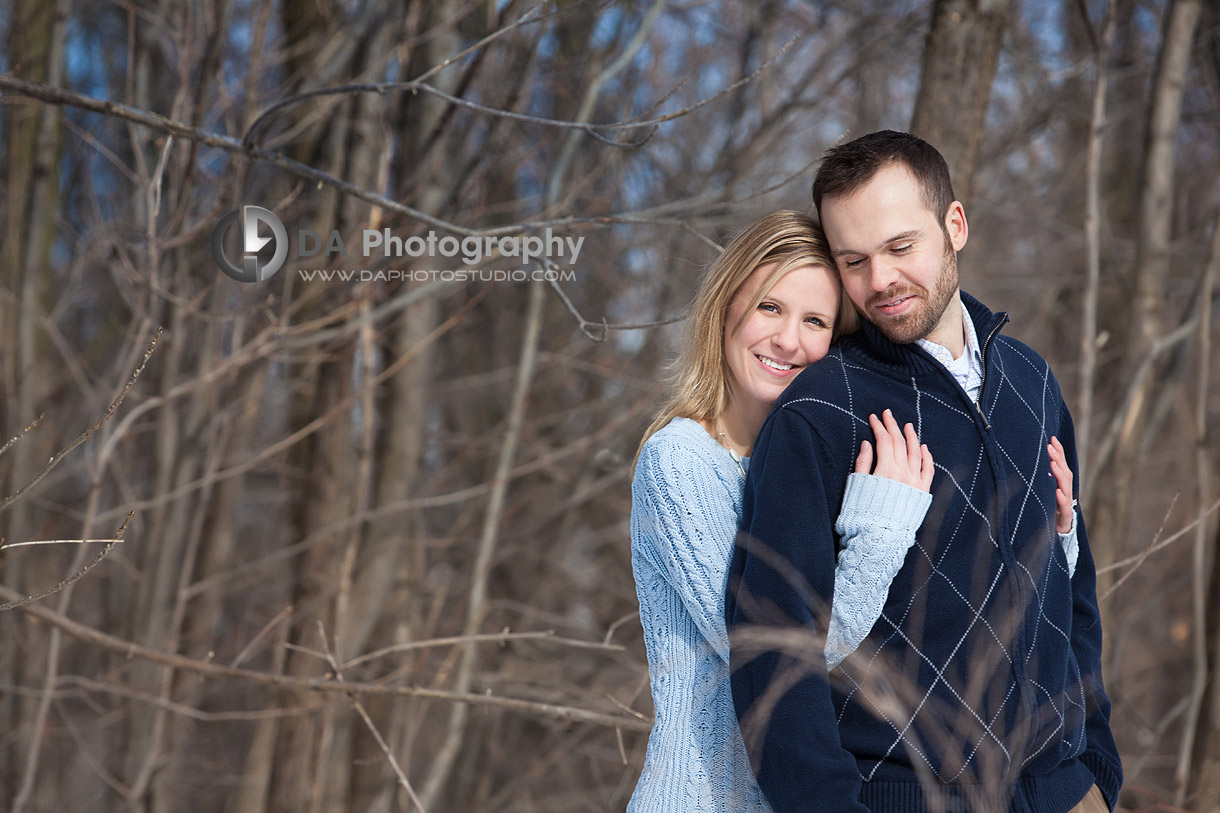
[{"x": 897, "y": 264}]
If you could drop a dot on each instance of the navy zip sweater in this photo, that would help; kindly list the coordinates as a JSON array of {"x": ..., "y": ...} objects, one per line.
[{"x": 980, "y": 687}]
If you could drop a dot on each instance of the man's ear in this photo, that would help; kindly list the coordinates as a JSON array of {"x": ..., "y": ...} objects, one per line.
[{"x": 956, "y": 226}]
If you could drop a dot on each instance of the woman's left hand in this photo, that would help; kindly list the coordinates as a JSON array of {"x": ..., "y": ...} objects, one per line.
[
  {"x": 1064, "y": 506},
  {"x": 900, "y": 456}
]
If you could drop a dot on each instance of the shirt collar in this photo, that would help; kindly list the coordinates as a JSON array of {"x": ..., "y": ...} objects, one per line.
[
  {"x": 972, "y": 352},
  {"x": 899, "y": 357}
]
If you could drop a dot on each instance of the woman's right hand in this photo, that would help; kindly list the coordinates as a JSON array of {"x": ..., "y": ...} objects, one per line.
[{"x": 900, "y": 456}]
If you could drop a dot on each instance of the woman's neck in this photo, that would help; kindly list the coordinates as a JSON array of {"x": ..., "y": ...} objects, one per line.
[{"x": 737, "y": 426}]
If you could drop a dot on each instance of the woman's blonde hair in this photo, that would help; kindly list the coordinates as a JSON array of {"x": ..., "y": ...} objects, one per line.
[{"x": 702, "y": 380}]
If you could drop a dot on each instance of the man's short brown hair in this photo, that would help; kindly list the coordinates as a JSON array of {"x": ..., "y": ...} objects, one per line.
[{"x": 849, "y": 166}]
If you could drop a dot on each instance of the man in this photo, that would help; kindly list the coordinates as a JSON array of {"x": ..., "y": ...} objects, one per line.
[{"x": 979, "y": 688}]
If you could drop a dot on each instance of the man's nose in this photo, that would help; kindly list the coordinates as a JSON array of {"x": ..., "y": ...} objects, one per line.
[{"x": 883, "y": 273}]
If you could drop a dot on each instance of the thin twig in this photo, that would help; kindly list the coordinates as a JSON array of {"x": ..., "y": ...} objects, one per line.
[
  {"x": 248, "y": 649},
  {"x": 1156, "y": 546},
  {"x": 382, "y": 88},
  {"x": 385, "y": 749},
  {"x": 340, "y": 408},
  {"x": 602, "y": 327},
  {"x": 518, "y": 23},
  {"x": 75, "y": 577},
  {"x": 131, "y": 649},
  {"x": 450, "y": 498},
  {"x": 248, "y": 136},
  {"x": 415, "y": 86},
  {"x": 8, "y": 545},
  {"x": 499, "y": 637},
  {"x": 1153, "y": 547},
  {"x": 627, "y": 708},
  {"x": 368, "y": 721},
  {"x": 110, "y": 410},
  {"x": 190, "y": 712},
  {"x": 1135, "y": 389},
  {"x": 111, "y": 781},
  {"x": 29, "y": 427},
  {"x": 631, "y": 616},
  {"x": 161, "y": 124}
]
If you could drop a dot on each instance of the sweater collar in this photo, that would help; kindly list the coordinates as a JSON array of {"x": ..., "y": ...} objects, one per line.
[{"x": 913, "y": 358}]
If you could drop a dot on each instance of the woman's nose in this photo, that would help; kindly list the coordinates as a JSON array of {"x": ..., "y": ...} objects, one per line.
[{"x": 785, "y": 337}]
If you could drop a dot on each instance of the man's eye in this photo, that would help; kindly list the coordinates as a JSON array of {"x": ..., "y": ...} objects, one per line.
[
  {"x": 854, "y": 263},
  {"x": 903, "y": 248}
]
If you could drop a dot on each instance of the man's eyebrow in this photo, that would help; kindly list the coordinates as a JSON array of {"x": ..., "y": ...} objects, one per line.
[{"x": 897, "y": 238}]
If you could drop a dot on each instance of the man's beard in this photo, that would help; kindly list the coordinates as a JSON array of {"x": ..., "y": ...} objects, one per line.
[{"x": 920, "y": 321}]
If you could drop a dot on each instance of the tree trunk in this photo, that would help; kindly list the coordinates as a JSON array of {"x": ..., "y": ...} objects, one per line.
[
  {"x": 1147, "y": 313},
  {"x": 1205, "y": 773},
  {"x": 959, "y": 65},
  {"x": 32, "y": 139}
]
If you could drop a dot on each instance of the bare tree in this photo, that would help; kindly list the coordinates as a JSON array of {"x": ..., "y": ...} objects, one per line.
[
  {"x": 379, "y": 556},
  {"x": 959, "y": 66}
]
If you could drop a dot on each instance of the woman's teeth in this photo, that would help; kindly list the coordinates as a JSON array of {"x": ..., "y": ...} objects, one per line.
[{"x": 775, "y": 365}]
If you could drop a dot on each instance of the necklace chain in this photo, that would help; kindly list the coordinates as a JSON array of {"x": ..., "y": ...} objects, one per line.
[{"x": 722, "y": 437}]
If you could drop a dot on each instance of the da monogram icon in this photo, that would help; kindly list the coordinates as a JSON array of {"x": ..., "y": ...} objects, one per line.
[{"x": 249, "y": 270}]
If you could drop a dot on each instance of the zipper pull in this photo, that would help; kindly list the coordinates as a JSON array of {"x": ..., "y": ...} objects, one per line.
[{"x": 979, "y": 409}]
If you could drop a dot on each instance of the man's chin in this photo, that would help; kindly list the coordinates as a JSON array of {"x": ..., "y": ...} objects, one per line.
[{"x": 898, "y": 331}]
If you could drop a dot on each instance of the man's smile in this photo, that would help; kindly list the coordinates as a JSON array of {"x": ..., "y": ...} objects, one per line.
[{"x": 894, "y": 305}]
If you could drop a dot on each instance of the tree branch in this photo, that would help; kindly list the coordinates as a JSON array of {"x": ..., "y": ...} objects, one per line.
[
  {"x": 130, "y": 649},
  {"x": 75, "y": 577},
  {"x": 110, "y": 410}
]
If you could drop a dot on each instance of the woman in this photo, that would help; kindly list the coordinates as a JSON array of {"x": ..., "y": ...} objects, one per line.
[{"x": 769, "y": 306}]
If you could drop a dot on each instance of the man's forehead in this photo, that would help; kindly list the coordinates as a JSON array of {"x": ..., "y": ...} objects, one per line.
[
  {"x": 881, "y": 211},
  {"x": 894, "y": 178}
]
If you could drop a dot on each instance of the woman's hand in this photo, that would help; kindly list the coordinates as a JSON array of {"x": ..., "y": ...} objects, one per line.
[
  {"x": 899, "y": 454},
  {"x": 1064, "y": 505}
]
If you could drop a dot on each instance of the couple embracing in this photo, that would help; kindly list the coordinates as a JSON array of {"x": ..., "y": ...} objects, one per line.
[{"x": 854, "y": 533}]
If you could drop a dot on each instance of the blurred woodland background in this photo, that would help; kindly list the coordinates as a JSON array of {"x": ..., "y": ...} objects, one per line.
[{"x": 420, "y": 490}]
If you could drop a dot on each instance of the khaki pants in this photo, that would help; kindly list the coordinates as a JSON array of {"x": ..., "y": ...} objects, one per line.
[{"x": 1093, "y": 802}]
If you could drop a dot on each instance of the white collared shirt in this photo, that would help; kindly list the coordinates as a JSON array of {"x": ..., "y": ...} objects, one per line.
[{"x": 967, "y": 370}]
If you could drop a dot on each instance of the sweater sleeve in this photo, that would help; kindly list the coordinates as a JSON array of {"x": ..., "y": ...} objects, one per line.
[
  {"x": 780, "y": 585},
  {"x": 1071, "y": 546},
  {"x": 1100, "y": 753},
  {"x": 685, "y": 519},
  {"x": 877, "y": 527}
]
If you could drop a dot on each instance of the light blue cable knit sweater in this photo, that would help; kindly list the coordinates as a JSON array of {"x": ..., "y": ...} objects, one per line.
[{"x": 685, "y": 506}]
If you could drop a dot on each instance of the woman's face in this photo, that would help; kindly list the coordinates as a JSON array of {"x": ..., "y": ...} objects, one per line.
[{"x": 790, "y": 328}]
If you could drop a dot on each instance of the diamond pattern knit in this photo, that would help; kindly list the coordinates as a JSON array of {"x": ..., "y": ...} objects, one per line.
[{"x": 982, "y": 676}]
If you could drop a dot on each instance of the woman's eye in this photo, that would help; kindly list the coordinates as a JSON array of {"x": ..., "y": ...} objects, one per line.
[
  {"x": 813, "y": 320},
  {"x": 768, "y": 307}
]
